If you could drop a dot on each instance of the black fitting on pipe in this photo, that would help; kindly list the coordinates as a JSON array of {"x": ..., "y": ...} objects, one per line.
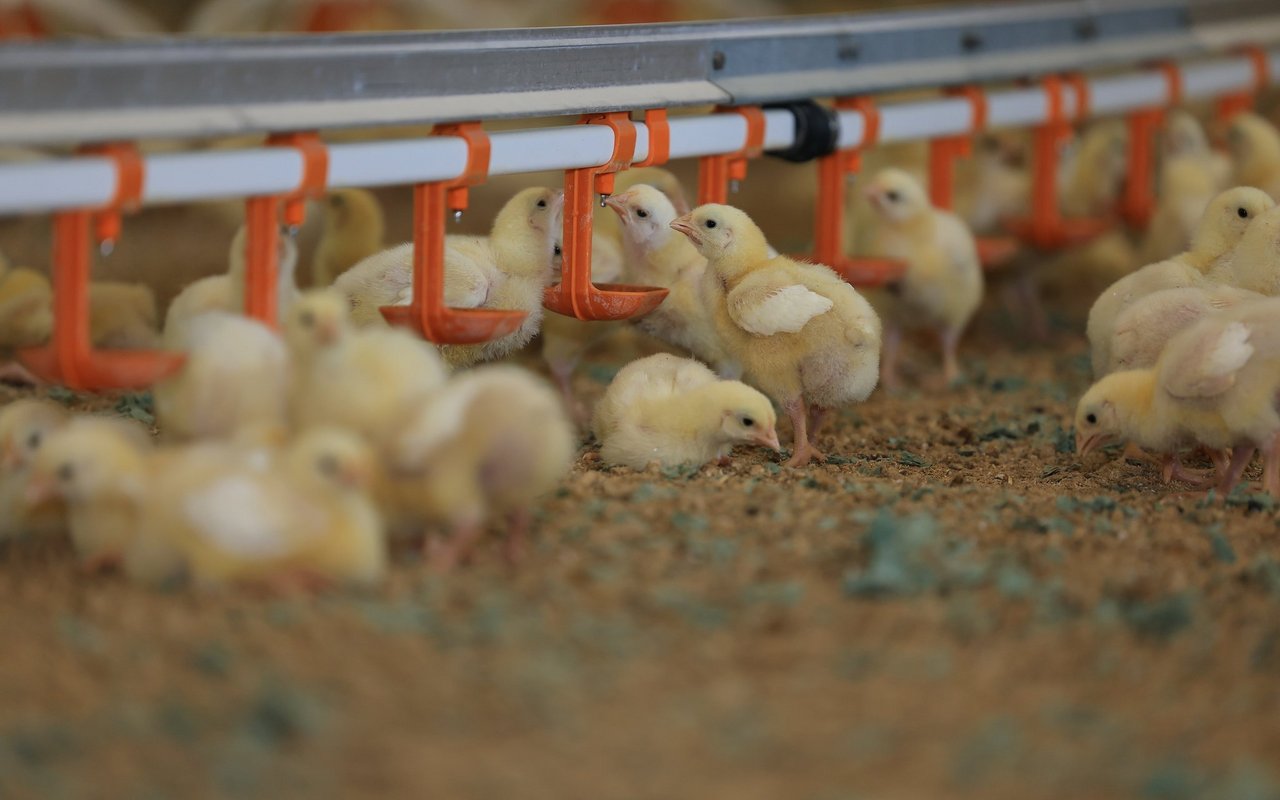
[{"x": 817, "y": 131}]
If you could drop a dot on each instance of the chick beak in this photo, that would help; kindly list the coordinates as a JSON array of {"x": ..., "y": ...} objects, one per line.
[
  {"x": 685, "y": 225},
  {"x": 353, "y": 478},
  {"x": 327, "y": 333},
  {"x": 619, "y": 207},
  {"x": 768, "y": 439},
  {"x": 1087, "y": 444},
  {"x": 39, "y": 490},
  {"x": 10, "y": 458}
]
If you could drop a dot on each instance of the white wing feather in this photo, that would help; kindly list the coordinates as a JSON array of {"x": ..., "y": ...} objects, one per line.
[
  {"x": 237, "y": 516},
  {"x": 785, "y": 310}
]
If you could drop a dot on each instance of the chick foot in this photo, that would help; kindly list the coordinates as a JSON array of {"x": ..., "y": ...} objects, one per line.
[
  {"x": 13, "y": 372},
  {"x": 1240, "y": 458},
  {"x": 446, "y": 554},
  {"x": 1172, "y": 470},
  {"x": 802, "y": 451}
]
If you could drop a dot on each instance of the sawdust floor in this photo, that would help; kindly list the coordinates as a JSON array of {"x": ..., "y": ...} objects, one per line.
[{"x": 954, "y": 606}]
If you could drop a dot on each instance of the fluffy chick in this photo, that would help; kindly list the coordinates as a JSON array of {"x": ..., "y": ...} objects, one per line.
[
  {"x": 942, "y": 286},
  {"x": 1254, "y": 263},
  {"x": 675, "y": 411},
  {"x": 365, "y": 380},
  {"x": 300, "y": 517},
  {"x": 236, "y": 376},
  {"x": 1214, "y": 385},
  {"x": 1092, "y": 170},
  {"x": 656, "y": 255},
  {"x": 99, "y": 469},
  {"x": 1223, "y": 225},
  {"x": 123, "y": 316},
  {"x": 995, "y": 184},
  {"x": 804, "y": 337},
  {"x": 26, "y": 318},
  {"x": 1191, "y": 175},
  {"x": 509, "y": 269},
  {"x": 1254, "y": 144},
  {"x": 490, "y": 444},
  {"x": 354, "y": 227},
  {"x": 227, "y": 292},
  {"x": 1143, "y": 329},
  {"x": 25, "y": 425}
]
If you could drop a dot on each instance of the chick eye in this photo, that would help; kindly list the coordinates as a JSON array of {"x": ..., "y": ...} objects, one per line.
[
  {"x": 558, "y": 251},
  {"x": 66, "y": 472},
  {"x": 33, "y": 441},
  {"x": 307, "y": 318},
  {"x": 1243, "y": 213},
  {"x": 641, "y": 213},
  {"x": 1092, "y": 419},
  {"x": 891, "y": 196},
  {"x": 711, "y": 223},
  {"x": 542, "y": 204},
  {"x": 328, "y": 465},
  {"x": 748, "y": 421}
]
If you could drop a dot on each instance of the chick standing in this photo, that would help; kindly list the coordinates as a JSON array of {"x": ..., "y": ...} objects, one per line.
[
  {"x": 489, "y": 444},
  {"x": 365, "y": 380},
  {"x": 509, "y": 269},
  {"x": 354, "y": 227},
  {"x": 1214, "y": 385},
  {"x": 803, "y": 336},
  {"x": 656, "y": 255},
  {"x": 1223, "y": 225},
  {"x": 675, "y": 411},
  {"x": 1191, "y": 175},
  {"x": 942, "y": 286},
  {"x": 25, "y": 425}
]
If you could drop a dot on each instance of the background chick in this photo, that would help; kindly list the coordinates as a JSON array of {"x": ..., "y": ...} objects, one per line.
[
  {"x": 236, "y": 376},
  {"x": 123, "y": 316},
  {"x": 354, "y": 227},
  {"x": 1191, "y": 175},
  {"x": 489, "y": 445},
  {"x": 1223, "y": 225},
  {"x": 25, "y": 425},
  {"x": 942, "y": 286},
  {"x": 227, "y": 292},
  {"x": 675, "y": 411},
  {"x": 98, "y": 468},
  {"x": 656, "y": 255},
  {"x": 995, "y": 184},
  {"x": 803, "y": 336},
  {"x": 26, "y": 318},
  {"x": 365, "y": 380},
  {"x": 1254, "y": 144},
  {"x": 509, "y": 269}
]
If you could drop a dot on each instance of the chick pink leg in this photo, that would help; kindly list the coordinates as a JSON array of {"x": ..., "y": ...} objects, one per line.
[
  {"x": 1037, "y": 320},
  {"x": 446, "y": 554},
  {"x": 1240, "y": 458},
  {"x": 1172, "y": 469},
  {"x": 1271, "y": 467},
  {"x": 13, "y": 372},
  {"x": 518, "y": 524},
  {"x": 817, "y": 418},
  {"x": 563, "y": 375},
  {"x": 802, "y": 451},
  {"x": 890, "y": 348},
  {"x": 950, "y": 340}
]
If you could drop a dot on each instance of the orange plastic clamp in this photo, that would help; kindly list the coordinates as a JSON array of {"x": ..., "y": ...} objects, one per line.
[
  {"x": 130, "y": 174},
  {"x": 1239, "y": 102},
  {"x": 944, "y": 150},
  {"x": 427, "y": 314},
  {"x": 575, "y": 295},
  {"x": 655, "y": 120},
  {"x": 715, "y": 172},
  {"x": 315, "y": 173}
]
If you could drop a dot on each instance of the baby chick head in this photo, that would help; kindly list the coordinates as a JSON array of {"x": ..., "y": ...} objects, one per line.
[
  {"x": 238, "y": 256},
  {"x": 86, "y": 460},
  {"x": 317, "y": 320},
  {"x": 25, "y": 425},
  {"x": 1184, "y": 135},
  {"x": 722, "y": 233},
  {"x": 1227, "y": 218},
  {"x": 646, "y": 213},
  {"x": 1108, "y": 410},
  {"x": 661, "y": 179},
  {"x": 1251, "y": 139},
  {"x": 747, "y": 415},
  {"x": 353, "y": 208},
  {"x": 329, "y": 458},
  {"x": 896, "y": 195},
  {"x": 531, "y": 221}
]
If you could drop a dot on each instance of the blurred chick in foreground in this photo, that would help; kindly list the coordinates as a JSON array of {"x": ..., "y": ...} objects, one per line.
[
  {"x": 942, "y": 286},
  {"x": 296, "y": 518},
  {"x": 354, "y": 227},
  {"x": 490, "y": 443},
  {"x": 99, "y": 468},
  {"x": 1254, "y": 144},
  {"x": 1223, "y": 225},
  {"x": 675, "y": 411},
  {"x": 1191, "y": 175},
  {"x": 659, "y": 256},
  {"x": 804, "y": 337},
  {"x": 509, "y": 269},
  {"x": 1214, "y": 385},
  {"x": 25, "y": 425},
  {"x": 366, "y": 380}
]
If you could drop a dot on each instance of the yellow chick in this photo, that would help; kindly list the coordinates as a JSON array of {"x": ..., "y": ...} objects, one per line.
[
  {"x": 123, "y": 316},
  {"x": 227, "y": 292},
  {"x": 675, "y": 411},
  {"x": 995, "y": 184},
  {"x": 25, "y": 425},
  {"x": 509, "y": 269},
  {"x": 300, "y": 517},
  {"x": 942, "y": 286},
  {"x": 99, "y": 469},
  {"x": 365, "y": 380},
  {"x": 1254, "y": 263},
  {"x": 658, "y": 256},
  {"x": 236, "y": 376},
  {"x": 1092, "y": 170},
  {"x": 1191, "y": 175},
  {"x": 607, "y": 226},
  {"x": 26, "y": 318},
  {"x": 489, "y": 445},
  {"x": 1254, "y": 144},
  {"x": 354, "y": 227},
  {"x": 804, "y": 337},
  {"x": 1143, "y": 329},
  {"x": 1221, "y": 228},
  {"x": 1214, "y": 385}
]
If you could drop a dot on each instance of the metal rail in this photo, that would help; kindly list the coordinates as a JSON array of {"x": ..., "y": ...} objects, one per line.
[{"x": 70, "y": 92}]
